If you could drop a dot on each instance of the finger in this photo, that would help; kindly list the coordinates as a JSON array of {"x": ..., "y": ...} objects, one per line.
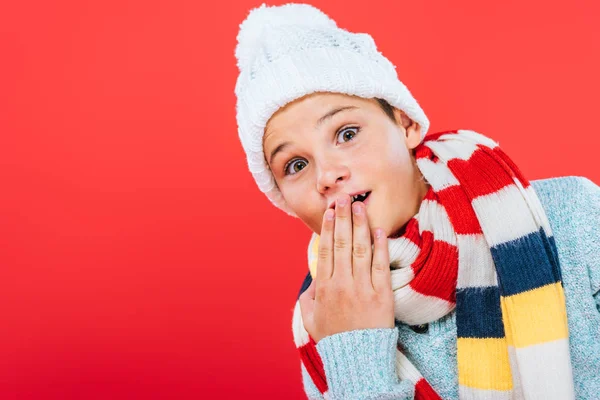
[
  {"x": 325, "y": 260},
  {"x": 307, "y": 306},
  {"x": 361, "y": 244},
  {"x": 342, "y": 238},
  {"x": 380, "y": 270}
]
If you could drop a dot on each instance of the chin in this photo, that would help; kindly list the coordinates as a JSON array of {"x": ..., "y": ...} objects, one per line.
[{"x": 375, "y": 222}]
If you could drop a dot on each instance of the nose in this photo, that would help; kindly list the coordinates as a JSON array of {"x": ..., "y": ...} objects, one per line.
[{"x": 331, "y": 174}]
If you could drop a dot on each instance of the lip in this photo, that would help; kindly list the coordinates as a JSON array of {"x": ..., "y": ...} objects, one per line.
[{"x": 332, "y": 204}]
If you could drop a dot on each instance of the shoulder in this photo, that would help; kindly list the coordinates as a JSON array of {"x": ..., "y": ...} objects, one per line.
[
  {"x": 564, "y": 182},
  {"x": 565, "y": 197},
  {"x": 564, "y": 185},
  {"x": 572, "y": 205}
]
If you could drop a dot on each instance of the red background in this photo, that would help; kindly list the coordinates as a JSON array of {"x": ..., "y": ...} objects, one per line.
[{"x": 137, "y": 257}]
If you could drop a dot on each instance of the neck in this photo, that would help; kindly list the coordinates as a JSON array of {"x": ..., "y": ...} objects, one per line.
[{"x": 421, "y": 187}]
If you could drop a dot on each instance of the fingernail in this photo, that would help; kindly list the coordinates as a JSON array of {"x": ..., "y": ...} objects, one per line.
[
  {"x": 329, "y": 214},
  {"x": 378, "y": 233},
  {"x": 342, "y": 202},
  {"x": 356, "y": 208}
]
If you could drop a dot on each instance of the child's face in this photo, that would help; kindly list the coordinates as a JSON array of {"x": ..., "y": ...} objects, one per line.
[{"x": 356, "y": 150}]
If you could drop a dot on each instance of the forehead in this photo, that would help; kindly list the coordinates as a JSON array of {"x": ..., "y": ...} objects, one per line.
[
  {"x": 308, "y": 110},
  {"x": 315, "y": 102}
]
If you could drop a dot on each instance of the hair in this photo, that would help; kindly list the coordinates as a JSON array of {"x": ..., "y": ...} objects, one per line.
[{"x": 387, "y": 109}]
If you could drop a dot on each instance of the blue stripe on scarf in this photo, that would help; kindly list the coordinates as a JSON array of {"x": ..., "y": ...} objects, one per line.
[
  {"x": 524, "y": 264},
  {"x": 552, "y": 254},
  {"x": 478, "y": 313},
  {"x": 305, "y": 284}
]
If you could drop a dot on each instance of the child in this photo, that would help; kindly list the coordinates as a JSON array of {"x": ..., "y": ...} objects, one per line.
[{"x": 436, "y": 269}]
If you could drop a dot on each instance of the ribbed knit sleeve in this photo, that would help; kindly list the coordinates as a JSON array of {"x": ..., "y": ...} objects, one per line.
[
  {"x": 312, "y": 393},
  {"x": 361, "y": 364},
  {"x": 591, "y": 233}
]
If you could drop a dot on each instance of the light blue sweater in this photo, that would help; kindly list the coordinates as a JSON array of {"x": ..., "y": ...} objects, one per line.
[{"x": 572, "y": 205}]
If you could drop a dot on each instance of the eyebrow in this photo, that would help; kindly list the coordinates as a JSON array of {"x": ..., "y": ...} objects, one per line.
[
  {"x": 277, "y": 150},
  {"x": 320, "y": 121},
  {"x": 331, "y": 113}
]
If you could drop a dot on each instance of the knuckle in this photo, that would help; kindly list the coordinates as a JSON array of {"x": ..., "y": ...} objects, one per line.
[
  {"x": 368, "y": 296},
  {"x": 359, "y": 250},
  {"x": 321, "y": 291},
  {"x": 339, "y": 291},
  {"x": 340, "y": 243},
  {"x": 379, "y": 266},
  {"x": 324, "y": 253}
]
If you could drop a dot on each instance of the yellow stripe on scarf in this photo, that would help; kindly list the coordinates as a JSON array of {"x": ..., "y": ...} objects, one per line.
[
  {"x": 313, "y": 256},
  {"x": 536, "y": 316},
  {"x": 484, "y": 364}
]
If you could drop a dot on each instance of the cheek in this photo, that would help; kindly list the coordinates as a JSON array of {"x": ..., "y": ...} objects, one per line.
[
  {"x": 312, "y": 218},
  {"x": 393, "y": 160},
  {"x": 304, "y": 202}
]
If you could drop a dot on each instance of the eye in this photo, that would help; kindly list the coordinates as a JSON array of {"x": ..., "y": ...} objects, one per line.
[
  {"x": 348, "y": 134},
  {"x": 294, "y": 166}
]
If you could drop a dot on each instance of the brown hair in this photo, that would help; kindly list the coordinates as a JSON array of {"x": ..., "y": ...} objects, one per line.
[{"x": 387, "y": 109}]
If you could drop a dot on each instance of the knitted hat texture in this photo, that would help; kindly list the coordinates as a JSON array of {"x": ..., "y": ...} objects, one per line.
[{"x": 287, "y": 52}]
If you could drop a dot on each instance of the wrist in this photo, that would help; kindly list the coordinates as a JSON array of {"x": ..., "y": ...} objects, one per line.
[{"x": 359, "y": 361}]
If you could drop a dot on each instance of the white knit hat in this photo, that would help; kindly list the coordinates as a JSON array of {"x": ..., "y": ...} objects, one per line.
[{"x": 289, "y": 51}]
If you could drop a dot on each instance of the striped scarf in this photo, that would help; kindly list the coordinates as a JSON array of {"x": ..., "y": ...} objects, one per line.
[{"x": 480, "y": 243}]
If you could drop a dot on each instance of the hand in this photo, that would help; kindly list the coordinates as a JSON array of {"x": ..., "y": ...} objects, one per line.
[{"x": 352, "y": 289}]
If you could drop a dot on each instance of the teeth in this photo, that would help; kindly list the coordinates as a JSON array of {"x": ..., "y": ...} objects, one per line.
[{"x": 359, "y": 197}]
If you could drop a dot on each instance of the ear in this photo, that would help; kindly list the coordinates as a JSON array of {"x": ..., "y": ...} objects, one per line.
[{"x": 412, "y": 130}]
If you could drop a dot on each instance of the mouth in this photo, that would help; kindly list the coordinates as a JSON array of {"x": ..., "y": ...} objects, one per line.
[{"x": 363, "y": 197}]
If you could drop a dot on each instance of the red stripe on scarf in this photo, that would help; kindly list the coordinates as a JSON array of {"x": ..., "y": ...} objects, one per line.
[
  {"x": 410, "y": 231},
  {"x": 490, "y": 176},
  {"x": 435, "y": 136},
  {"x": 425, "y": 392},
  {"x": 517, "y": 172},
  {"x": 462, "y": 217},
  {"x": 314, "y": 365},
  {"x": 422, "y": 151},
  {"x": 425, "y": 243},
  {"x": 439, "y": 274}
]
